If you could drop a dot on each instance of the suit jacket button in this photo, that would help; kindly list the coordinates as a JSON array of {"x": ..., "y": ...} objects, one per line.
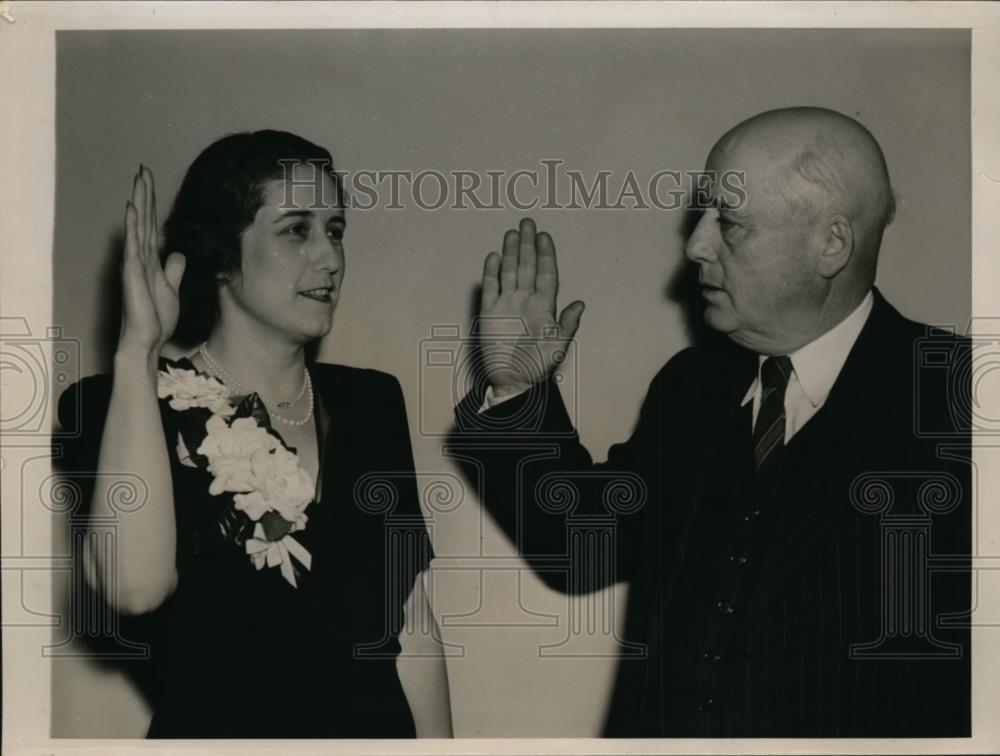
[
  {"x": 724, "y": 607},
  {"x": 738, "y": 559},
  {"x": 706, "y": 705},
  {"x": 752, "y": 515},
  {"x": 711, "y": 656}
]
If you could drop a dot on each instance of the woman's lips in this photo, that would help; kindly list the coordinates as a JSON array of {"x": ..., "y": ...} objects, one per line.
[{"x": 322, "y": 294}]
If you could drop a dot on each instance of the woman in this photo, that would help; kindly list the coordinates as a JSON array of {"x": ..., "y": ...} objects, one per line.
[{"x": 280, "y": 533}]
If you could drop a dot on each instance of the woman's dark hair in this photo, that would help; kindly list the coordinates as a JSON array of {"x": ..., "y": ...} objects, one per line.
[{"x": 218, "y": 199}]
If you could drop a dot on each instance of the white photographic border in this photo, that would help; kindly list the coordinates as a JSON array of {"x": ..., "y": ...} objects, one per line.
[{"x": 27, "y": 201}]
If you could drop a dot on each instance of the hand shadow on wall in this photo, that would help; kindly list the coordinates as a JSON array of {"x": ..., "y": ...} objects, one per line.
[
  {"x": 109, "y": 317},
  {"x": 112, "y": 642},
  {"x": 680, "y": 288},
  {"x": 109, "y": 641},
  {"x": 683, "y": 290},
  {"x": 95, "y": 631}
]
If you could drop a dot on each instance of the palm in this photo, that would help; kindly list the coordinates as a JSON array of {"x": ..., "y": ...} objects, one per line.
[
  {"x": 521, "y": 339},
  {"x": 151, "y": 303}
]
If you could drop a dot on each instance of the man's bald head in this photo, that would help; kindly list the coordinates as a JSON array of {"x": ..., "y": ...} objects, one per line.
[
  {"x": 800, "y": 252},
  {"x": 818, "y": 160}
]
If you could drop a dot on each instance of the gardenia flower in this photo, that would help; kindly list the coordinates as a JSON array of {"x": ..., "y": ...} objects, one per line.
[
  {"x": 277, "y": 483},
  {"x": 188, "y": 388},
  {"x": 229, "y": 449}
]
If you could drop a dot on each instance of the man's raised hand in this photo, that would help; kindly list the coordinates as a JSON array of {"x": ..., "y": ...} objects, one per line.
[{"x": 521, "y": 339}]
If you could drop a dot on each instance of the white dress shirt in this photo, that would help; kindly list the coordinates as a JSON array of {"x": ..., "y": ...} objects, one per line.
[{"x": 815, "y": 368}]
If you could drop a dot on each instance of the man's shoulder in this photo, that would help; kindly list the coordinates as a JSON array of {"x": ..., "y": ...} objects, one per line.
[
  {"x": 717, "y": 360},
  {"x": 917, "y": 373},
  {"x": 890, "y": 336},
  {"x": 885, "y": 313},
  {"x": 706, "y": 372}
]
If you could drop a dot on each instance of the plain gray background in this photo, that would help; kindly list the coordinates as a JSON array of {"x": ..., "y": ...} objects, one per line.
[{"x": 615, "y": 100}]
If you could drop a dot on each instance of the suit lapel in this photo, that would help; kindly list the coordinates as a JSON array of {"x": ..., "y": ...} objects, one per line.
[{"x": 733, "y": 375}]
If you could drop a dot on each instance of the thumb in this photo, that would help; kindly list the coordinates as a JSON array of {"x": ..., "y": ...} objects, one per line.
[
  {"x": 569, "y": 319},
  {"x": 173, "y": 269}
]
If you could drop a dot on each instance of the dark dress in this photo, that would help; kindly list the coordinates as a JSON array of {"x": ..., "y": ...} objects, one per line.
[{"x": 238, "y": 652}]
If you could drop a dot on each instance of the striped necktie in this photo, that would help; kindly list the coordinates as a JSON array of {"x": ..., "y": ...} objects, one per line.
[{"x": 769, "y": 429}]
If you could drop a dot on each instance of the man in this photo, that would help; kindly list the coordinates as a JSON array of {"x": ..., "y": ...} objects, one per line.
[{"x": 782, "y": 526}]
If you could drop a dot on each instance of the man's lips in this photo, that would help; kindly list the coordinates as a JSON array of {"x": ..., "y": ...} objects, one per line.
[{"x": 708, "y": 290}]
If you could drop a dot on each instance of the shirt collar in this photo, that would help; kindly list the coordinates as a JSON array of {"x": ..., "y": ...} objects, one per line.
[{"x": 818, "y": 363}]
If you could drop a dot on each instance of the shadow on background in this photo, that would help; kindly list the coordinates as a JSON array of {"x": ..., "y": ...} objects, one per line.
[
  {"x": 110, "y": 639},
  {"x": 109, "y": 318},
  {"x": 682, "y": 290},
  {"x": 111, "y": 642}
]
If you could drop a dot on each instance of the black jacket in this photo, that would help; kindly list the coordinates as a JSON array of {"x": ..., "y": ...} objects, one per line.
[{"x": 836, "y": 608}]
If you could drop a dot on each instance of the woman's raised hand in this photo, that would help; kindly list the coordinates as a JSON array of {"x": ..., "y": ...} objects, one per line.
[
  {"x": 521, "y": 339},
  {"x": 149, "y": 287}
]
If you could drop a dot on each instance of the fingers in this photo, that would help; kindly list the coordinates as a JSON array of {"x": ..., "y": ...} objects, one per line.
[
  {"x": 508, "y": 264},
  {"x": 528, "y": 262},
  {"x": 139, "y": 200},
  {"x": 547, "y": 275},
  {"x": 144, "y": 199},
  {"x": 135, "y": 288},
  {"x": 526, "y": 256},
  {"x": 569, "y": 319},
  {"x": 173, "y": 269},
  {"x": 131, "y": 232},
  {"x": 152, "y": 227},
  {"x": 491, "y": 282}
]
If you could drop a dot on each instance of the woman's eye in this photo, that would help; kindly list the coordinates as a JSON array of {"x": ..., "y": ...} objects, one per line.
[
  {"x": 298, "y": 229},
  {"x": 335, "y": 233}
]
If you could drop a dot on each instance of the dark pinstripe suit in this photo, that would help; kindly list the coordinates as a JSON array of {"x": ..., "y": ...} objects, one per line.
[{"x": 762, "y": 615}]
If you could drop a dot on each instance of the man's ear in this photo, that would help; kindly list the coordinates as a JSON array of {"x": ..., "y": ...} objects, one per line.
[{"x": 838, "y": 246}]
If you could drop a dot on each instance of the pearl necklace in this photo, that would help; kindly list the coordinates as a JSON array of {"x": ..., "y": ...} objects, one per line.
[{"x": 230, "y": 381}]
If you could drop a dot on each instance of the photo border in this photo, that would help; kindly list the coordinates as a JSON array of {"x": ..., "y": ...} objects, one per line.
[{"x": 27, "y": 202}]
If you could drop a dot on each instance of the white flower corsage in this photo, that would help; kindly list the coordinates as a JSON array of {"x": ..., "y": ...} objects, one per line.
[
  {"x": 189, "y": 388},
  {"x": 250, "y": 462}
]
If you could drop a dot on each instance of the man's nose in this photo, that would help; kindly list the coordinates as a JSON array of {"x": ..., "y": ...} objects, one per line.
[{"x": 701, "y": 244}]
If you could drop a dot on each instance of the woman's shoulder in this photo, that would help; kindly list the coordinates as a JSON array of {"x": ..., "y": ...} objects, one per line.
[{"x": 90, "y": 396}]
